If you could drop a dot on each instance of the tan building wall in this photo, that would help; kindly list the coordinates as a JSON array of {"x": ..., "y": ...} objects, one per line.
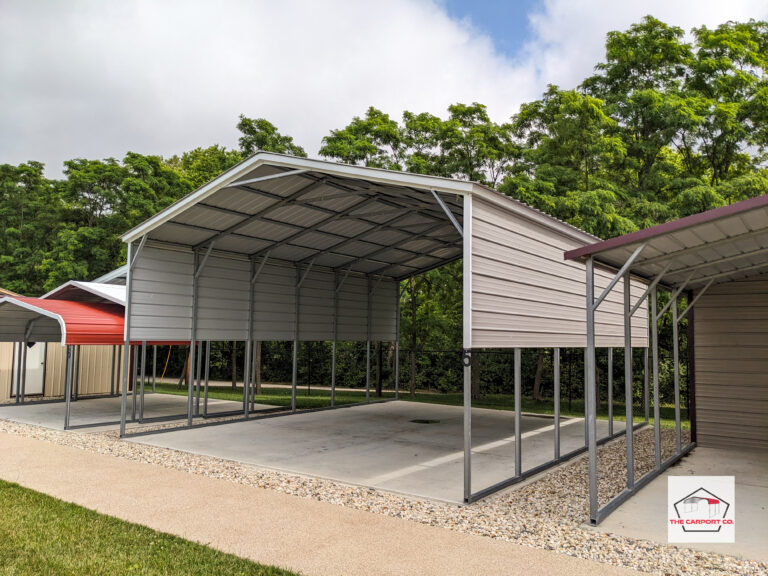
[
  {"x": 95, "y": 366},
  {"x": 731, "y": 347},
  {"x": 524, "y": 294}
]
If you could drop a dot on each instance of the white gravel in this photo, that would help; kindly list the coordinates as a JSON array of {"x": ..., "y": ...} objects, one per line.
[{"x": 548, "y": 513}]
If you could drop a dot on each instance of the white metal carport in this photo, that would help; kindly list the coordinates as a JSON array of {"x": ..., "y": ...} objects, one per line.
[
  {"x": 286, "y": 248},
  {"x": 728, "y": 244}
]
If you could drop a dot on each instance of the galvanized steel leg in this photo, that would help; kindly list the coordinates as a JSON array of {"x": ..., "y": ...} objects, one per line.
[
  {"x": 117, "y": 371},
  {"x": 467, "y": 424},
  {"x": 656, "y": 403},
  {"x": 23, "y": 370},
  {"x": 676, "y": 361},
  {"x": 207, "y": 373},
  {"x": 397, "y": 345},
  {"x": 295, "y": 371},
  {"x": 68, "y": 386},
  {"x": 135, "y": 381},
  {"x": 335, "y": 336},
  {"x": 76, "y": 382},
  {"x": 154, "y": 368},
  {"x": 198, "y": 376},
  {"x": 556, "y": 393},
  {"x": 127, "y": 345},
  {"x": 610, "y": 391},
  {"x": 368, "y": 347},
  {"x": 628, "y": 385},
  {"x": 590, "y": 392},
  {"x": 518, "y": 405},
  {"x": 143, "y": 378},
  {"x": 586, "y": 408},
  {"x": 18, "y": 372},
  {"x": 646, "y": 385}
]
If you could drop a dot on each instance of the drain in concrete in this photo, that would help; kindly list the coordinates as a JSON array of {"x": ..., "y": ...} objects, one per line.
[{"x": 424, "y": 421}]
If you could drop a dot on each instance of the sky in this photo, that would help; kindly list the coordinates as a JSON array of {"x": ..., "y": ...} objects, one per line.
[{"x": 94, "y": 79}]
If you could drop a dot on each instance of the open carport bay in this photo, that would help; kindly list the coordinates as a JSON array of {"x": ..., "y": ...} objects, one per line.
[{"x": 383, "y": 445}]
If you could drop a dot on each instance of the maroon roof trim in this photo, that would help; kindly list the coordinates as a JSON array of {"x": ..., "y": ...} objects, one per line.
[{"x": 668, "y": 227}]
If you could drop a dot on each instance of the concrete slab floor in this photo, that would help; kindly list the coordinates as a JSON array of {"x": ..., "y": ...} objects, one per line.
[
  {"x": 645, "y": 514},
  {"x": 92, "y": 411},
  {"x": 379, "y": 445}
]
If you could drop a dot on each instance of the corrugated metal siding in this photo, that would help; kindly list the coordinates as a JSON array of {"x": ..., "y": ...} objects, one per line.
[
  {"x": 6, "y": 370},
  {"x": 161, "y": 295},
  {"x": 95, "y": 366},
  {"x": 525, "y": 295},
  {"x": 162, "y": 301},
  {"x": 731, "y": 347}
]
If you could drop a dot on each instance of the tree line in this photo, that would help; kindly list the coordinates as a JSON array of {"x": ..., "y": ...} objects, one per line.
[{"x": 666, "y": 126}]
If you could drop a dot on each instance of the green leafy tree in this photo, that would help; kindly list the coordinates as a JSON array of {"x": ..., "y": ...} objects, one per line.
[{"x": 260, "y": 134}]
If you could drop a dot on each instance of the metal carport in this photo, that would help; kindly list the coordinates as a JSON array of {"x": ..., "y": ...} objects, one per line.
[
  {"x": 722, "y": 247},
  {"x": 286, "y": 248}
]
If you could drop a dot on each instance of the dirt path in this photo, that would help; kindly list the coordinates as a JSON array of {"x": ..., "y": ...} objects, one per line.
[{"x": 314, "y": 538}]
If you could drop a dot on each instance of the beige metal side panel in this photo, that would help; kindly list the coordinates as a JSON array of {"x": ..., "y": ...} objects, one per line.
[
  {"x": 731, "y": 347},
  {"x": 524, "y": 294},
  {"x": 6, "y": 370},
  {"x": 95, "y": 366}
]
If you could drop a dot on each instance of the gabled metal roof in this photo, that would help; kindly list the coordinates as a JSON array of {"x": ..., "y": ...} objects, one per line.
[
  {"x": 380, "y": 222},
  {"x": 720, "y": 245},
  {"x": 70, "y": 323},
  {"x": 88, "y": 292}
]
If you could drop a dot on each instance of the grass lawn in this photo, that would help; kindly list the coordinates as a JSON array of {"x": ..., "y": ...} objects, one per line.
[
  {"x": 319, "y": 398},
  {"x": 40, "y": 534}
]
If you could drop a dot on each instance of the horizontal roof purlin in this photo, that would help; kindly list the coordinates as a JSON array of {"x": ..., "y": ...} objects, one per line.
[{"x": 720, "y": 245}]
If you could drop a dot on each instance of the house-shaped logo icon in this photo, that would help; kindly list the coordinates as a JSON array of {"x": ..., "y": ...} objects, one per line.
[{"x": 704, "y": 508}]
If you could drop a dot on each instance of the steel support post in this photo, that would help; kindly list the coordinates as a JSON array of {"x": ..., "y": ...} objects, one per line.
[
  {"x": 556, "y": 393},
  {"x": 590, "y": 392},
  {"x": 610, "y": 391},
  {"x": 368, "y": 344},
  {"x": 518, "y": 405},
  {"x": 135, "y": 382},
  {"x": 192, "y": 345},
  {"x": 247, "y": 372},
  {"x": 76, "y": 381},
  {"x": 23, "y": 383},
  {"x": 18, "y": 372},
  {"x": 295, "y": 371},
  {"x": 646, "y": 385},
  {"x": 676, "y": 362},
  {"x": 112, "y": 372},
  {"x": 655, "y": 352},
  {"x": 198, "y": 375},
  {"x": 467, "y": 360},
  {"x": 397, "y": 344},
  {"x": 628, "y": 385},
  {"x": 143, "y": 378},
  {"x": 68, "y": 386},
  {"x": 154, "y": 368},
  {"x": 127, "y": 345},
  {"x": 207, "y": 373},
  {"x": 335, "y": 335}
]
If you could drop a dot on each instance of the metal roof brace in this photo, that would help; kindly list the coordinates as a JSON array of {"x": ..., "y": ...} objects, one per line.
[
  {"x": 200, "y": 266},
  {"x": 260, "y": 268},
  {"x": 344, "y": 278},
  {"x": 135, "y": 256},
  {"x": 650, "y": 287},
  {"x": 675, "y": 294},
  {"x": 699, "y": 295},
  {"x": 448, "y": 213},
  {"x": 265, "y": 178},
  {"x": 619, "y": 275}
]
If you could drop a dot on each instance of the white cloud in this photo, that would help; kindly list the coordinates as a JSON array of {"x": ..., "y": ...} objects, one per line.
[{"x": 94, "y": 79}]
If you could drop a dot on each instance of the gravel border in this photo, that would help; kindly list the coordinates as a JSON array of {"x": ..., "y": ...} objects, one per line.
[{"x": 539, "y": 514}]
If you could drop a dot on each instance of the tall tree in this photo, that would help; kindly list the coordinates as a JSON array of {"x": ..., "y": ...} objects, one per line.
[{"x": 261, "y": 134}]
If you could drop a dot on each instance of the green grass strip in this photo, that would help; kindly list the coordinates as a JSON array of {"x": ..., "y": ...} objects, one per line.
[{"x": 41, "y": 535}]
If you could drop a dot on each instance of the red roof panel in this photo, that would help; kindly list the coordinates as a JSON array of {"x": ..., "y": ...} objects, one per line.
[{"x": 85, "y": 322}]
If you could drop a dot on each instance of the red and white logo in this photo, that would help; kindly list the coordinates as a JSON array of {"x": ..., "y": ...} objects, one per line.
[{"x": 701, "y": 509}]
